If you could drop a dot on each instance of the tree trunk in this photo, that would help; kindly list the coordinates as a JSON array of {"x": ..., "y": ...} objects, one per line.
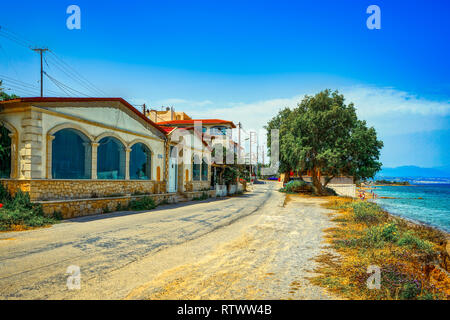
[
  {"x": 318, "y": 189},
  {"x": 287, "y": 175}
]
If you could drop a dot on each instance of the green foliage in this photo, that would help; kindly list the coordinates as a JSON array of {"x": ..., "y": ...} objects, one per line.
[
  {"x": 5, "y": 152},
  {"x": 410, "y": 290},
  {"x": 408, "y": 239},
  {"x": 19, "y": 211},
  {"x": 144, "y": 203},
  {"x": 323, "y": 133},
  {"x": 367, "y": 212},
  {"x": 376, "y": 236},
  {"x": 4, "y": 96},
  {"x": 296, "y": 186},
  {"x": 204, "y": 196},
  {"x": 230, "y": 175}
]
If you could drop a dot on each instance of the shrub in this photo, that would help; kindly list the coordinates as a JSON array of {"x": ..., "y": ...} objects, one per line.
[
  {"x": 19, "y": 211},
  {"x": 408, "y": 239},
  {"x": 366, "y": 212},
  {"x": 410, "y": 290},
  {"x": 145, "y": 203},
  {"x": 204, "y": 196},
  {"x": 376, "y": 236},
  {"x": 296, "y": 186}
]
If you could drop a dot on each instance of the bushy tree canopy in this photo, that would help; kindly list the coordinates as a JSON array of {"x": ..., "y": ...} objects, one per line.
[
  {"x": 4, "y": 96},
  {"x": 323, "y": 134}
]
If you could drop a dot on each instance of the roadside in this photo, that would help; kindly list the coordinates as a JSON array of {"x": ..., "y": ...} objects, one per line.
[
  {"x": 242, "y": 247},
  {"x": 411, "y": 259},
  {"x": 272, "y": 257}
]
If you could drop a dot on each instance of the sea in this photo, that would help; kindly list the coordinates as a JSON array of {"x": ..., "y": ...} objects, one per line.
[{"x": 426, "y": 201}]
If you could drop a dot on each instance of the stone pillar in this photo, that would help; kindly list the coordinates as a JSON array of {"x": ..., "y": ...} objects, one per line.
[
  {"x": 94, "y": 147},
  {"x": 87, "y": 159},
  {"x": 127, "y": 163},
  {"x": 50, "y": 139},
  {"x": 32, "y": 151}
]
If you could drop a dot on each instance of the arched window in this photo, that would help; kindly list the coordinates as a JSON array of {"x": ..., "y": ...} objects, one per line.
[
  {"x": 204, "y": 170},
  {"x": 71, "y": 155},
  {"x": 140, "y": 162},
  {"x": 196, "y": 168},
  {"x": 110, "y": 159},
  {"x": 5, "y": 153}
]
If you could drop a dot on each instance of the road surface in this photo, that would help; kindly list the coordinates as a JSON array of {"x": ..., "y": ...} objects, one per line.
[{"x": 254, "y": 246}]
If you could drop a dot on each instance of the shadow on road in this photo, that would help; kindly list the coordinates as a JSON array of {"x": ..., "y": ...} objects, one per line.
[{"x": 159, "y": 208}]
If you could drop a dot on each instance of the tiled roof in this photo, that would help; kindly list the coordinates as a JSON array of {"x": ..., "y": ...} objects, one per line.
[
  {"x": 191, "y": 122},
  {"x": 65, "y": 99}
]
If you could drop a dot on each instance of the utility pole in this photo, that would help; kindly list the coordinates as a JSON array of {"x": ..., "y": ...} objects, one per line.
[
  {"x": 41, "y": 51},
  {"x": 239, "y": 138},
  {"x": 263, "y": 156},
  {"x": 257, "y": 153},
  {"x": 250, "y": 157}
]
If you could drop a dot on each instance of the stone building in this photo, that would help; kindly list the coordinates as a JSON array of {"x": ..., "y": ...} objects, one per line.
[{"x": 82, "y": 150}]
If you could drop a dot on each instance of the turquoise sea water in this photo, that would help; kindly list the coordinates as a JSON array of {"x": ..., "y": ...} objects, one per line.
[{"x": 432, "y": 209}]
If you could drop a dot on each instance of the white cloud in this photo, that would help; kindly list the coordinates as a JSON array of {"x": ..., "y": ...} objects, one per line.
[
  {"x": 183, "y": 103},
  {"x": 372, "y": 101},
  {"x": 390, "y": 111}
]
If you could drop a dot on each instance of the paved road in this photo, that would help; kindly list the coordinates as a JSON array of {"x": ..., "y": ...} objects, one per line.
[{"x": 240, "y": 247}]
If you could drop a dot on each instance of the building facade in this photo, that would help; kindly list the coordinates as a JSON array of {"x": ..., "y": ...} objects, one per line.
[{"x": 82, "y": 149}]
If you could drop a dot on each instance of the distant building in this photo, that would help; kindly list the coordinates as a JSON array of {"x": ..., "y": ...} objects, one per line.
[{"x": 166, "y": 115}]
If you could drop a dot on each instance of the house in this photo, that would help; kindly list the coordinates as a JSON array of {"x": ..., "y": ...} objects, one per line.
[
  {"x": 78, "y": 155},
  {"x": 166, "y": 115},
  {"x": 215, "y": 131}
]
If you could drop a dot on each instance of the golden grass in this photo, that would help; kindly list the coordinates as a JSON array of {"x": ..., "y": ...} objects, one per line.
[{"x": 408, "y": 271}]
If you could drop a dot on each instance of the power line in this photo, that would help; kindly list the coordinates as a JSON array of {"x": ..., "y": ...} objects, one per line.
[
  {"x": 59, "y": 83},
  {"x": 71, "y": 75},
  {"x": 56, "y": 61},
  {"x": 78, "y": 74},
  {"x": 18, "y": 83}
]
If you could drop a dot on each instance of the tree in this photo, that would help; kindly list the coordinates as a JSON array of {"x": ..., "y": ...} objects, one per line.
[
  {"x": 4, "y": 96},
  {"x": 276, "y": 123},
  {"x": 323, "y": 136}
]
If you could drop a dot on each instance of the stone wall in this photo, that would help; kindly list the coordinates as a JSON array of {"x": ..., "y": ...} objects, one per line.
[
  {"x": 197, "y": 194},
  {"x": 41, "y": 190},
  {"x": 84, "y": 207},
  {"x": 344, "y": 190}
]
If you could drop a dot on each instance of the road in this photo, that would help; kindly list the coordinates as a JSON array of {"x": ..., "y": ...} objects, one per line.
[{"x": 254, "y": 246}]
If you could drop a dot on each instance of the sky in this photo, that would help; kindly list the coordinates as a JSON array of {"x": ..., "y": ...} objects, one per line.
[{"x": 245, "y": 60}]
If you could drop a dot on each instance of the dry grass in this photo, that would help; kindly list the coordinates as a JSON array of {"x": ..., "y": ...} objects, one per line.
[{"x": 413, "y": 258}]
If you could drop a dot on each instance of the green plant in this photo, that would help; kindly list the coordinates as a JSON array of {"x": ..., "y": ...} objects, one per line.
[
  {"x": 366, "y": 212},
  {"x": 296, "y": 186},
  {"x": 144, "y": 203},
  {"x": 376, "y": 236},
  {"x": 410, "y": 290},
  {"x": 408, "y": 239},
  {"x": 18, "y": 210},
  {"x": 204, "y": 196}
]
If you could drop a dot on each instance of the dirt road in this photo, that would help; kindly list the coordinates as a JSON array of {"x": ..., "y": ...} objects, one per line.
[{"x": 248, "y": 247}]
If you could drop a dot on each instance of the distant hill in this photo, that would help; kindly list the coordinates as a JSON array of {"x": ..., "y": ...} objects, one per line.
[{"x": 415, "y": 172}]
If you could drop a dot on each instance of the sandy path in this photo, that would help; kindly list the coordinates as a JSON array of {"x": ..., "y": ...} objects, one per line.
[
  {"x": 249, "y": 247},
  {"x": 271, "y": 258}
]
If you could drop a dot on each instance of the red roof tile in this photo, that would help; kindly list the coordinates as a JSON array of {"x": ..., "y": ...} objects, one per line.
[
  {"x": 191, "y": 122},
  {"x": 65, "y": 99}
]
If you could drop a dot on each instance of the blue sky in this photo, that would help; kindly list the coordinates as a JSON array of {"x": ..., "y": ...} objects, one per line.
[{"x": 243, "y": 60}]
